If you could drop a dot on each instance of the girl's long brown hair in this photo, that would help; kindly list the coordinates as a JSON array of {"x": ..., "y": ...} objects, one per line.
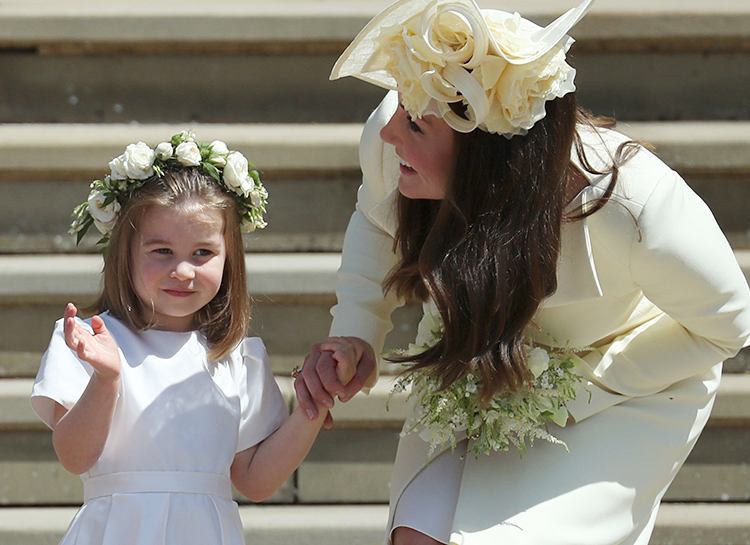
[
  {"x": 487, "y": 253},
  {"x": 225, "y": 319}
]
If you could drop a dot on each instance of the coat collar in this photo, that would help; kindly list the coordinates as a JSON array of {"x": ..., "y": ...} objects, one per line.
[{"x": 577, "y": 278}]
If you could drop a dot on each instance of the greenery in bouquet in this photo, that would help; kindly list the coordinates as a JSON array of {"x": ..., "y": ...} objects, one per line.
[{"x": 510, "y": 418}]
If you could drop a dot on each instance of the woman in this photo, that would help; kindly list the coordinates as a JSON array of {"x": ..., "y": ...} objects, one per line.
[{"x": 515, "y": 216}]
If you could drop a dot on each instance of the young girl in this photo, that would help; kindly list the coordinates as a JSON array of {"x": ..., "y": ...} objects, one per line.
[
  {"x": 516, "y": 217},
  {"x": 160, "y": 403}
]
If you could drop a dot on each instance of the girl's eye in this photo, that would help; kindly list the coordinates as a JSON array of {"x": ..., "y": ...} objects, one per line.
[
  {"x": 204, "y": 253},
  {"x": 163, "y": 251},
  {"x": 413, "y": 127}
]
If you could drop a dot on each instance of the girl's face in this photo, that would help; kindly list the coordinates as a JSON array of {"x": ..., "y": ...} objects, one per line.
[
  {"x": 427, "y": 149},
  {"x": 178, "y": 262}
]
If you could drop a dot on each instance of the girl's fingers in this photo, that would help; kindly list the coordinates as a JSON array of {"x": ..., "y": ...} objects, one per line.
[
  {"x": 337, "y": 346},
  {"x": 81, "y": 347},
  {"x": 97, "y": 324},
  {"x": 304, "y": 399},
  {"x": 327, "y": 374},
  {"x": 71, "y": 334},
  {"x": 365, "y": 368},
  {"x": 70, "y": 310},
  {"x": 310, "y": 375}
]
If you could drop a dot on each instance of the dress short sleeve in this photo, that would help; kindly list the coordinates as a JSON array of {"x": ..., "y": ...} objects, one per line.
[
  {"x": 263, "y": 408},
  {"x": 62, "y": 376}
]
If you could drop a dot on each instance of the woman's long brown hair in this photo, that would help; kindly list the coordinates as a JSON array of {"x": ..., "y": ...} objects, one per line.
[{"x": 487, "y": 253}]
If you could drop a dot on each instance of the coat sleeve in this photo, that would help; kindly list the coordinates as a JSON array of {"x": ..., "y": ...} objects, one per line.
[
  {"x": 684, "y": 265},
  {"x": 363, "y": 310}
]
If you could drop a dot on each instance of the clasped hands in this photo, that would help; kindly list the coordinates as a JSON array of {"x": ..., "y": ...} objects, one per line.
[{"x": 336, "y": 367}]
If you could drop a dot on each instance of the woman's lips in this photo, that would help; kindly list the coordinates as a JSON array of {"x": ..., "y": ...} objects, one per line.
[{"x": 406, "y": 169}]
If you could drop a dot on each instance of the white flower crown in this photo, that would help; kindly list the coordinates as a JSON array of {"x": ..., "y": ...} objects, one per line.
[
  {"x": 130, "y": 171},
  {"x": 502, "y": 67}
]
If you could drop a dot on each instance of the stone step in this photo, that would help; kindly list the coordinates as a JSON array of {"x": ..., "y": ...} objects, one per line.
[
  {"x": 292, "y": 292},
  {"x": 676, "y": 524},
  {"x": 312, "y": 173},
  {"x": 92, "y": 24},
  {"x": 93, "y": 62},
  {"x": 352, "y": 463}
]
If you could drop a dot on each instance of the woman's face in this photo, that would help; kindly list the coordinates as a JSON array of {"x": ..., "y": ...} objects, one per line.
[{"x": 427, "y": 150}]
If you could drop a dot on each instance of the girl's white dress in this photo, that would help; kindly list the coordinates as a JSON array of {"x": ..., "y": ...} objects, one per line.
[{"x": 164, "y": 474}]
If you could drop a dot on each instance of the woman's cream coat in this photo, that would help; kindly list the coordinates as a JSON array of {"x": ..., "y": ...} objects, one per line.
[{"x": 649, "y": 280}]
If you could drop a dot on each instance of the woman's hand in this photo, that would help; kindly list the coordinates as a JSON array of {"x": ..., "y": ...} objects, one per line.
[
  {"x": 98, "y": 349},
  {"x": 339, "y": 366},
  {"x": 346, "y": 353}
]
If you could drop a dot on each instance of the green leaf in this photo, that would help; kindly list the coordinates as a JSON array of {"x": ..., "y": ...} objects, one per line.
[
  {"x": 212, "y": 171},
  {"x": 88, "y": 222}
]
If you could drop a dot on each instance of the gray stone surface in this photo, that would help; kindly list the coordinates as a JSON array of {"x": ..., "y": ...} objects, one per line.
[
  {"x": 697, "y": 524},
  {"x": 251, "y": 21},
  {"x": 312, "y": 175},
  {"x": 294, "y": 88}
]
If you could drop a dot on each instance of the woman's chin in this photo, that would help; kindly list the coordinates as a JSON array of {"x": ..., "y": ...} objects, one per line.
[{"x": 412, "y": 190}]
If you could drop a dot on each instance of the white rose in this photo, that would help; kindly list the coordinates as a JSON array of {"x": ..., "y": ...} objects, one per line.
[
  {"x": 138, "y": 161},
  {"x": 104, "y": 217},
  {"x": 537, "y": 361},
  {"x": 249, "y": 225},
  {"x": 219, "y": 151},
  {"x": 521, "y": 91},
  {"x": 187, "y": 136},
  {"x": 256, "y": 198},
  {"x": 235, "y": 173},
  {"x": 117, "y": 169},
  {"x": 164, "y": 151},
  {"x": 188, "y": 154},
  {"x": 248, "y": 190}
]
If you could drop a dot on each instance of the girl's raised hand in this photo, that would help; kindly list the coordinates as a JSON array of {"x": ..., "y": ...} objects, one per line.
[{"x": 98, "y": 349}]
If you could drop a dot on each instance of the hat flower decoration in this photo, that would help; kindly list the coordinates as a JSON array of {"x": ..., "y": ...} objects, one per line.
[
  {"x": 139, "y": 163},
  {"x": 502, "y": 67}
]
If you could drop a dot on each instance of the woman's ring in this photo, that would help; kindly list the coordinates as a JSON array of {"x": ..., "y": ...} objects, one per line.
[{"x": 296, "y": 371}]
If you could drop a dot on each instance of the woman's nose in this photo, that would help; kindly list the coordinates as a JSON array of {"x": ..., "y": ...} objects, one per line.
[{"x": 389, "y": 133}]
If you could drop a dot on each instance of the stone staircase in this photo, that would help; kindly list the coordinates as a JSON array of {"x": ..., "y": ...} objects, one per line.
[{"x": 83, "y": 78}]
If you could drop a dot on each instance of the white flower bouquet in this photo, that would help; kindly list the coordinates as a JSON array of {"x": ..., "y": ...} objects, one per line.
[{"x": 510, "y": 418}]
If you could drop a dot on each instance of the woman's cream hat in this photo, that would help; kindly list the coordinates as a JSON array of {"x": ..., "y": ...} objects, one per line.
[{"x": 436, "y": 52}]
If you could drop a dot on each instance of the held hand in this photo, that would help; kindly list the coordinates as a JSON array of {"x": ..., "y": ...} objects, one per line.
[
  {"x": 346, "y": 353},
  {"x": 365, "y": 369},
  {"x": 99, "y": 349},
  {"x": 319, "y": 380}
]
